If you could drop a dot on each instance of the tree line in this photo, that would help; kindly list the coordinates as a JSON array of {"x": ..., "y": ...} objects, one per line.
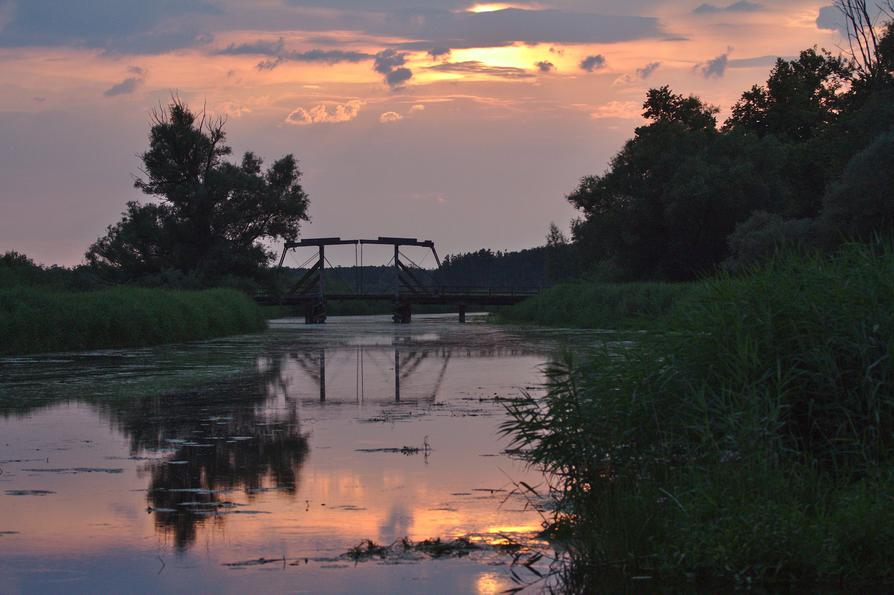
[{"x": 805, "y": 160}]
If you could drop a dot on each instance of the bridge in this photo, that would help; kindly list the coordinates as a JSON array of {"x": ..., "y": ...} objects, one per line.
[{"x": 409, "y": 285}]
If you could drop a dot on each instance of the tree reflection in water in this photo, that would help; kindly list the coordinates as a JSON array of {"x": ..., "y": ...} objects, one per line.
[
  {"x": 232, "y": 439},
  {"x": 218, "y": 441}
]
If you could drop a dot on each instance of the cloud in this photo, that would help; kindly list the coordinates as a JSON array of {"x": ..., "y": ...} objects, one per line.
[
  {"x": 439, "y": 52},
  {"x": 618, "y": 109},
  {"x": 128, "y": 85},
  {"x": 260, "y": 47},
  {"x": 591, "y": 63},
  {"x": 476, "y": 67},
  {"x": 830, "y": 17},
  {"x": 439, "y": 27},
  {"x": 391, "y": 63},
  {"x": 545, "y": 66},
  {"x": 641, "y": 74},
  {"x": 715, "y": 67},
  {"x": 647, "y": 70},
  {"x": 278, "y": 54},
  {"x": 325, "y": 114},
  {"x": 742, "y": 6},
  {"x": 388, "y": 117},
  {"x": 756, "y": 62},
  {"x": 119, "y": 26}
]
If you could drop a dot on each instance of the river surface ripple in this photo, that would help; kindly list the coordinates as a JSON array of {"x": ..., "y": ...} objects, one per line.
[{"x": 190, "y": 468}]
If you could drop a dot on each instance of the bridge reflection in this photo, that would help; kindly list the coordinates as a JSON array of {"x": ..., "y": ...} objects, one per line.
[{"x": 380, "y": 362}]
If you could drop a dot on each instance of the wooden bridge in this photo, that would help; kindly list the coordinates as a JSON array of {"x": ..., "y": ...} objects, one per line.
[{"x": 410, "y": 283}]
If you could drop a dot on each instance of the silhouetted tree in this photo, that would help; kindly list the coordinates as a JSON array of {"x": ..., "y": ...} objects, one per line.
[
  {"x": 869, "y": 50},
  {"x": 861, "y": 204},
  {"x": 626, "y": 209},
  {"x": 212, "y": 212},
  {"x": 681, "y": 196},
  {"x": 800, "y": 98}
]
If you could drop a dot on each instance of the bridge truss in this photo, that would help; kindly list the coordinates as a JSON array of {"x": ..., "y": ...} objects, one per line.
[{"x": 410, "y": 283}]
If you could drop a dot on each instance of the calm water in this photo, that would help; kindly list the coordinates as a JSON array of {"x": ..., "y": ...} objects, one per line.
[{"x": 164, "y": 469}]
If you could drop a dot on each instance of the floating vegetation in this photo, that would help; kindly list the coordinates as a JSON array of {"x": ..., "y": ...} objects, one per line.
[
  {"x": 404, "y": 450},
  {"x": 29, "y": 492},
  {"x": 258, "y": 562},
  {"x": 2, "y": 533},
  {"x": 75, "y": 470},
  {"x": 406, "y": 549}
]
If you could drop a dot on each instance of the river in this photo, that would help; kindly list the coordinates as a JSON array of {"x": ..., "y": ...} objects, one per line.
[{"x": 254, "y": 463}]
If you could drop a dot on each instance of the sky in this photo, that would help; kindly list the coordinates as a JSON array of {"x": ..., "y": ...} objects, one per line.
[{"x": 464, "y": 123}]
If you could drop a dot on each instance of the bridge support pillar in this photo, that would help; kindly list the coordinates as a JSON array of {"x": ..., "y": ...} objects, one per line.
[
  {"x": 462, "y": 313},
  {"x": 402, "y": 312},
  {"x": 315, "y": 312}
]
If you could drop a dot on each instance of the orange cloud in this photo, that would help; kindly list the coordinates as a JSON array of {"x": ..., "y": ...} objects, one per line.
[
  {"x": 388, "y": 117},
  {"x": 323, "y": 114}
]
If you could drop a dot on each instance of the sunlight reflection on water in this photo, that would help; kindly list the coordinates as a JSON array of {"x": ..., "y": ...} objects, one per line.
[{"x": 161, "y": 466}]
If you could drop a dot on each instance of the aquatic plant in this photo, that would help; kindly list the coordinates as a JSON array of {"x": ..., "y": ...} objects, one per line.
[
  {"x": 37, "y": 319},
  {"x": 751, "y": 440},
  {"x": 597, "y": 305}
]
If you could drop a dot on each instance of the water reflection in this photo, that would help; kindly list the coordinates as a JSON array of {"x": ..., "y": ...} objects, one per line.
[
  {"x": 263, "y": 446},
  {"x": 312, "y": 366}
]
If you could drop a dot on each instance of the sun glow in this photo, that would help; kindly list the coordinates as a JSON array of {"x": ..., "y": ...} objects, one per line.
[{"x": 494, "y": 6}]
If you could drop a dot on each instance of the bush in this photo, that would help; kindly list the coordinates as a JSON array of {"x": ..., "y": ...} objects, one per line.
[
  {"x": 762, "y": 236},
  {"x": 861, "y": 204}
]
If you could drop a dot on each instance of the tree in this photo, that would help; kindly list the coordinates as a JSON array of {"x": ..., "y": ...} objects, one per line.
[
  {"x": 861, "y": 204},
  {"x": 663, "y": 106},
  {"x": 869, "y": 50},
  {"x": 624, "y": 210},
  {"x": 212, "y": 214},
  {"x": 800, "y": 98},
  {"x": 559, "y": 258}
]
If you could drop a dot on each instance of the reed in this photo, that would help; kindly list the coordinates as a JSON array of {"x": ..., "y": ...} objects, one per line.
[
  {"x": 750, "y": 440},
  {"x": 46, "y": 319}
]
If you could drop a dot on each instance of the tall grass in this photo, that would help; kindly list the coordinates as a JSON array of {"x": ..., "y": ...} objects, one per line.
[
  {"x": 40, "y": 319},
  {"x": 597, "y": 305},
  {"x": 751, "y": 441}
]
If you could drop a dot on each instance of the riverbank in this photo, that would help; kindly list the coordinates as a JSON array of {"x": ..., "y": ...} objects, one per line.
[
  {"x": 749, "y": 442},
  {"x": 598, "y": 305},
  {"x": 43, "y": 319}
]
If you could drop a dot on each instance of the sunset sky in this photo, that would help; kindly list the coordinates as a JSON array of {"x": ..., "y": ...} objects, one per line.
[{"x": 461, "y": 123}]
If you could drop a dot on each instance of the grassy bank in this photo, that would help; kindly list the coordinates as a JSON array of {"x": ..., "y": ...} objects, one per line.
[
  {"x": 597, "y": 305},
  {"x": 40, "y": 319},
  {"x": 751, "y": 442}
]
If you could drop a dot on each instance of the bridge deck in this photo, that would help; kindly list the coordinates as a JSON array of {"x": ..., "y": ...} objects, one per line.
[{"x": 481, "y": 298}]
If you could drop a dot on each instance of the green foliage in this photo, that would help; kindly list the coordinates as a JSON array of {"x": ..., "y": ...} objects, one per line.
[
  {"x": 752, "y": 440},
  {"x": 598, "y": 305},
  {"x": 534, "y": 267},
  {"x": 762, "y": 236},
  {"x": 213, "y": 213},
  {"x": 801, "y": 98},
  {"x": 671, "y": 198},
  {"x": 40, "y": 319},
  {"x": 17, "y": 269},
  {"x": 862, "y": 203},
  {"x": 674, "y": 193}
]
